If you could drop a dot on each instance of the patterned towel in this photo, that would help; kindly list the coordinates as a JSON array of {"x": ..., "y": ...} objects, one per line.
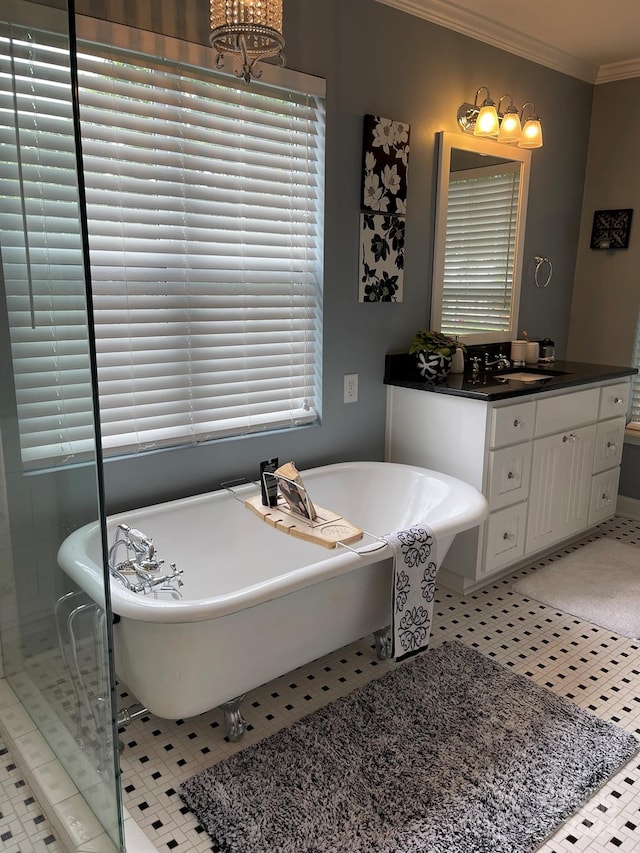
[{"x": 414, "y": 579}]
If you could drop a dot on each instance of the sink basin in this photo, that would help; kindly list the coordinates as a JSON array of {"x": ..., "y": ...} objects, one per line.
[{"x": 527, "y": 376}]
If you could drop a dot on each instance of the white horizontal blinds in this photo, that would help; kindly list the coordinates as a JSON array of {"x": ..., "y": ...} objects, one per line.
[
  {"x": 480, "y": 250},
  {"x": 204, "y": 200},
  {"x": 634, "y": 406},
  {"x": 41, "y": 249}
]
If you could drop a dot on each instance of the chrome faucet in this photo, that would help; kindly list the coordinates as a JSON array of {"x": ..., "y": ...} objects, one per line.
[
  {"x": 500, "y": 363},
  {"x": 141, "y": 562}
]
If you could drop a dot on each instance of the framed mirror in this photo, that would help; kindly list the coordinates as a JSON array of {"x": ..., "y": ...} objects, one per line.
[{"x": 481, "y": 202}]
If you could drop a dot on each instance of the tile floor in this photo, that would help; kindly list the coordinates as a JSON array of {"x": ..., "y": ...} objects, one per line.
[{"x": 595, "y": 668}]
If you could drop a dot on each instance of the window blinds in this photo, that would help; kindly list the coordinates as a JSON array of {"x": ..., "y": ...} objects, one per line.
[
  {"x": 634, "y": 406},
  {"x": 480, "y": 250},
  {"x": 205, "y": 212},
  {"x": 41, "y": 249},
  {"x": 204, "y": 200}
]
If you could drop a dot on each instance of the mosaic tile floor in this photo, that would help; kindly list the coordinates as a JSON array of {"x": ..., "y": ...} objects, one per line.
[{"x": 595, "y": 668}]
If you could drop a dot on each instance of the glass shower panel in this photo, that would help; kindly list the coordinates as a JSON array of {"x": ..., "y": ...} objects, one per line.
[{"x": 55, "y": 641}]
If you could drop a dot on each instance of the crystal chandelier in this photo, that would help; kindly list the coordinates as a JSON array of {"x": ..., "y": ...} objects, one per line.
[{"x": 250, "y": 30}]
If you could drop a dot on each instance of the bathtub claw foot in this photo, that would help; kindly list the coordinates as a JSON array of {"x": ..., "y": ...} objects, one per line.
[
  {"x": 383, "y": 644},
  {"x": 234, "y": 722}
]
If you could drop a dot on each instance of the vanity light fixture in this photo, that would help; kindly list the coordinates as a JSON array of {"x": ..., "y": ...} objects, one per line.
[
  {"x": 249, "y": 30},
  {"x": 506, "y": 126}
]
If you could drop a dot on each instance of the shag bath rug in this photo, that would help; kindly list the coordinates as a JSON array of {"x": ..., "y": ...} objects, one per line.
[
  {"x": 448, "y": 753},
  {"x": 598, "y": 582}
]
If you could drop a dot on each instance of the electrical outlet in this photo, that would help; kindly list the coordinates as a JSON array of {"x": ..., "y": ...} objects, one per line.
[{"x": 351, "y": 387}]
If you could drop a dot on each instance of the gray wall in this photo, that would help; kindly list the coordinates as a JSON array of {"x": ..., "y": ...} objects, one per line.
[
  {"x": 382, "y": 61},
  {"x": 606, "y": 293}
]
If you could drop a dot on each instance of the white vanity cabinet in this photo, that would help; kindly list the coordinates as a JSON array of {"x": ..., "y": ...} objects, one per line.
[{"x": 548, "y": 463}]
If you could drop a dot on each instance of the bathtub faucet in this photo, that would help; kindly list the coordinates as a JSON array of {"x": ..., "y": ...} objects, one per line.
[{"x": 141, "y": 562}]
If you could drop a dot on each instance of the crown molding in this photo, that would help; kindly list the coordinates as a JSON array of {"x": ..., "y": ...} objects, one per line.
[
  {"x": 498, "y": 35},
  {"x": 618, "y": 71}
]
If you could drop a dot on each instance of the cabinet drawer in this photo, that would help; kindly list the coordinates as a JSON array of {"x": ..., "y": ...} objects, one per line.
[
  {"x": 567, "y": 410},
  {"x": 511, "y": 424},
  {"x": 508, "y": 480},
  {"x": 505, "y": 538},
  {"x": 609, "y": 444},
  {"x": 614, "y": 400},
  {"x": 604, "y": 495}
]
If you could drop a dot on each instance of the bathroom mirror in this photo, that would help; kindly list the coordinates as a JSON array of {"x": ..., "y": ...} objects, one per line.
[{"x": 481, "y": 201}]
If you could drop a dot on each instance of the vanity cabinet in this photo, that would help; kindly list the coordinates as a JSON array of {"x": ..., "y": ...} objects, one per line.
[{"x": 549, "y": 466}]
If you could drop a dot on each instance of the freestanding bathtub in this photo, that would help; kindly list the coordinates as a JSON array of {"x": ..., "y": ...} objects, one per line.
[{"x": 256, "y": 603}]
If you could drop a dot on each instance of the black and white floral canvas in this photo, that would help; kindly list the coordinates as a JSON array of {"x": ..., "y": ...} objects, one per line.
[
  {"x": 385, "y": 163},
  {"x": 381, "y": 258}
]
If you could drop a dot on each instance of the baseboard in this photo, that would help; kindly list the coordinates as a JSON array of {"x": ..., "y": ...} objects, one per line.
[{"x": 629, "y": 507}]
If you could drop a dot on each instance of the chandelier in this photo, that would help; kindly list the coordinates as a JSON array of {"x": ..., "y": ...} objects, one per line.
[{"x": 249, "y": 30}]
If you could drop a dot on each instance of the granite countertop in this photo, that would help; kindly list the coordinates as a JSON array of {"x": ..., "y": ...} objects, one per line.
[{"x": 400, "y": 370}]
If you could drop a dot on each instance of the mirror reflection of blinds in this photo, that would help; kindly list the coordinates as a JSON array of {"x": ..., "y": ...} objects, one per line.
[
  {"x": 480, "y": 250},
  {"x": 205, "y": 209}
]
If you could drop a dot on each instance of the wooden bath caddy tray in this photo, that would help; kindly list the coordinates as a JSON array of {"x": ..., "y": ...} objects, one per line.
[{"x": 327, "y": 528}]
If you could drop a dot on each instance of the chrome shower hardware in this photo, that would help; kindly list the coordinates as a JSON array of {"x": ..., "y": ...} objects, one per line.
[{"x": 141, "y": 563}]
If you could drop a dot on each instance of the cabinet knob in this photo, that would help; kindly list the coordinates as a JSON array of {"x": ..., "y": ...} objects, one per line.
[
  {"x": 508, "y": 537},
  {"x": 612, "y": 445},
  {"x": 512, "y": 475},
  {"x": 517, "y": 423},
  {"x": 605, "y": 498},
  {"x": 618, "y": 400},
  {"x": 568, "y": 438}
]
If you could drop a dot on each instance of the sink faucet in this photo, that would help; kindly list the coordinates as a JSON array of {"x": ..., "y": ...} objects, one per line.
[{"x": 500, "y": 363}]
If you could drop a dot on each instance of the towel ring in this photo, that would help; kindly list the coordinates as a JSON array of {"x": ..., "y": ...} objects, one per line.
[{"x": 539, "y": 263}]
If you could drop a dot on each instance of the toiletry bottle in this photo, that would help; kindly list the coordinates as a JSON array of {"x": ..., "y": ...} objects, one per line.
[{"x": 457, "y": 361}]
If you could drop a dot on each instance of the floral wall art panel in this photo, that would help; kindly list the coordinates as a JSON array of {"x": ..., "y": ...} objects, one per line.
[
  {"x": 385, "y": 163},
  {"x": 381, "y": 258}
]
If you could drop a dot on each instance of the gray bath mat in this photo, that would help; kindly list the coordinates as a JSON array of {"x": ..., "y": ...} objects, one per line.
[
  {"x": 449, "y": 753},
  {"x": 598, "y": 582}
]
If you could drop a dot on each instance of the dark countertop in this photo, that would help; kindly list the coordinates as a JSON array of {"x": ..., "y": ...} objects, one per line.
[{"x": 400, "y": 370}]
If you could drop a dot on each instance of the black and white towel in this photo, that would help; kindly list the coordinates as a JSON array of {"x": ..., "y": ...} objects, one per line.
[{"x": 414, "y": 580}]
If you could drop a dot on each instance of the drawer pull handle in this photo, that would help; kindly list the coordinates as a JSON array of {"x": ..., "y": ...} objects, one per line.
[
  {"x": 517, "y": 423},
  {"x": 618, "y": 400},
  {"x": 508, "y": 537},
  {"x": 571, "y": 437}
]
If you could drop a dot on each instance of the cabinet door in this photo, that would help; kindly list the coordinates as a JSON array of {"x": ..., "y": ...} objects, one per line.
[
  {"x": 604, "y": 494},
  {"x": 504, "y": 538},
  {"x": 508, "y": 480},
  {"x": 609, "y": 444},
  {"x": 560, "y": 486}
]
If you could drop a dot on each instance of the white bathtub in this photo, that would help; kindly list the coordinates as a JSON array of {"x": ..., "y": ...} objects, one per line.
[{"x": 256, "y": 602}]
